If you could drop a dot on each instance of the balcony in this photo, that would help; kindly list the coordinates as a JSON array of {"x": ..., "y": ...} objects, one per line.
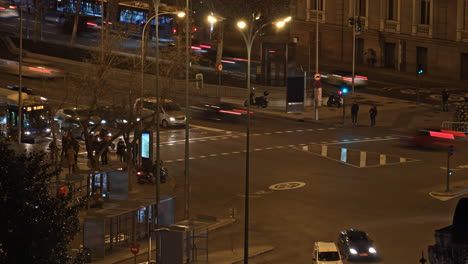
[
  {"x": 390, "y": 26},
  {"x": 422, "y": 30},
  {"x": 462, "y": 35},
  {"x": 312, "y": 14}
]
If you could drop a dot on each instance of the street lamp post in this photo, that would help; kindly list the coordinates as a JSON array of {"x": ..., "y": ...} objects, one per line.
[
  {"x": 158, "y": 146},
  {"x": 249, "y": 33},
  {"x": 187, "y": 112},
  {"x": 20, "y": 74}
]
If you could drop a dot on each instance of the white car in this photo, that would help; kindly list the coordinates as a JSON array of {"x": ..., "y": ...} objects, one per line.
[
  {"x": 326, "y": 253},
  {"x": 30, "y": 70},
  {"x": 170, "y": 115}
]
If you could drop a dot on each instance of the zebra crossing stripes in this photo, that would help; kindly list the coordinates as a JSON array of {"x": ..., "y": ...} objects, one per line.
[{"x": 354, "y": 157}]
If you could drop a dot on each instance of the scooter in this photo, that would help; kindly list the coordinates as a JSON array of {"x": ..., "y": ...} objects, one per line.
[
  {"x": 261, "y": 101},
  {"x": 148, "y": 176},
  {"x": 334, "y": 101}
]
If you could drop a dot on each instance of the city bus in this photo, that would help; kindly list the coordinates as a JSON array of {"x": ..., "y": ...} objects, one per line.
[
  {"x": 133, "y": 16},
  {"x": 36, "y": 111}
]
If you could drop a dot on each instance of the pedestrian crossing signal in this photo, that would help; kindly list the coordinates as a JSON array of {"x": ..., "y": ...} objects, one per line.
[{"x": 450, "y": 173}]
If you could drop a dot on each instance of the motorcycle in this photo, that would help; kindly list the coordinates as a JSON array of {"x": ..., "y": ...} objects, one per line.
[
  {"x": 148, "y": 176},
  {"x": 334, "y": 101},
  {"x": 260, "y": 101}
]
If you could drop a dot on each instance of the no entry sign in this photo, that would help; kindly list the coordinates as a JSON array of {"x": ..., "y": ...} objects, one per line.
[{"x": 135, "y": 249}]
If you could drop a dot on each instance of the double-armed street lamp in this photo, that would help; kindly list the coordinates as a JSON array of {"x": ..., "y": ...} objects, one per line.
[{"x": 249, "y": 31}]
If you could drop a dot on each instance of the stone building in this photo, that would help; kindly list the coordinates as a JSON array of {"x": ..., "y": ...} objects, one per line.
[{"x": 403, "y": 34}]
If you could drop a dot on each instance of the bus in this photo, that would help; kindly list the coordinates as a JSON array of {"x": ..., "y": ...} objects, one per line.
[
  {"x": 133, "y": 15},
  {"x": 36, "y": 112}
]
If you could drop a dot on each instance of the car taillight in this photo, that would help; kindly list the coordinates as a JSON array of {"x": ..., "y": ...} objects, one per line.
[
  {"x": 360, "y": 77},
  {"x": 139, "y": 173}
]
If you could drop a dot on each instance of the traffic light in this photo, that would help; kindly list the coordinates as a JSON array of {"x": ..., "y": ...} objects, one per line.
[
  {"x": 450, "y": 150},
  {"x": 344, "y": 90},
  {"x": 419, "y": 70},
  {"x": 450, "y": 173},
  {"x": 63, "y": 190}
]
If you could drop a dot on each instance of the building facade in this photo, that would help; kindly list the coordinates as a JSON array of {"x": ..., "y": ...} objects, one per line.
[{"x": 404, "y": 34}]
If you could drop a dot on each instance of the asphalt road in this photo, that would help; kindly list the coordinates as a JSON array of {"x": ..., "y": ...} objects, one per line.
[{"x": 391, "y": 202}]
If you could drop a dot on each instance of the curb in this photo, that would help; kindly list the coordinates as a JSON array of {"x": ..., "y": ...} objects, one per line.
[{"x": 261, "y": 252}]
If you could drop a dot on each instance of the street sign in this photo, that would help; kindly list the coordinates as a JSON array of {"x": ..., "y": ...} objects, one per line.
[
  {"x": 135, "y": 249},
  {"x": 317, "y": 76},
  {"x": 317, "y": 84},
  {"x": 220, "y": 67}
]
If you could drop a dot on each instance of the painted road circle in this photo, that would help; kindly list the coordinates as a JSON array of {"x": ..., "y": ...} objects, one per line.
[{"x": 286, "y": 186}]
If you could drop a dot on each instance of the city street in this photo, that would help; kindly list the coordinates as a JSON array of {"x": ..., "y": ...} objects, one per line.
[{"x": 332, "y": 184}]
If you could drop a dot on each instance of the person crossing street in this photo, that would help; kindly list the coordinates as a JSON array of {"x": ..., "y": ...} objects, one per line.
[{"x": 354, "y": 112}]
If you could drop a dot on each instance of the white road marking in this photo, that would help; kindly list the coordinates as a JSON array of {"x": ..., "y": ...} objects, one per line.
[
  {"x": 213, "y": 155},
  {"x": 224, "y": 153},
  {"x": 279, "y": 147},
  {"x": 320, "y": 129},
  {"x": 209, "y": 128},
  {"x": 201, "y": 157},
  {"x": 269, "y": 148},
  {"x": 331, "y": 128},
  {"x": 279, "y": 132},
  {"x": 267, "y": 133},
  {"x": 364, "y": 140},
  {"x": 256, "y": 134},
  {"x": 180, "y": 159},
  {"x": 299, "y": 130},
  {"x": 235, "y": 152},
  {"x": 258, "y": 149},
  {"x": 289, "y": 131}
]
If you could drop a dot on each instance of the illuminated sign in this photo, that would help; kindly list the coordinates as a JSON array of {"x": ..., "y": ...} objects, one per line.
[
  {"x": 145, "y": 145},
  {"x": 36, "y": 107}
]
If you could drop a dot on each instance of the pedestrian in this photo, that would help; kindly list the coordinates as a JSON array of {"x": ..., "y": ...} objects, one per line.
[
  {"x": 121, "y": 150},
  {"x": 105, "y": 148},
  {"x": 354, "y": 112},
  {"x": 71, "y": 159},
  {"x": 445, "y": 98},
  {"x": 76, "y": 147},
  {"x": 65, "y": 144},
  {"x": 373, "y": 115}
]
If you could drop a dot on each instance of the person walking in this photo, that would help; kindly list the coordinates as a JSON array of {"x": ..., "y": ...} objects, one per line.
[
  {"x": 445, "y": 98},
  {"x": 354, "y": 112},
  {"x": 76, "y": 147},
  {"x": 105, "y": 146},
  {"x": 373, "y": 115},
  {"x": 121, "y": 150},
  {"x": 71, "y": 159}
]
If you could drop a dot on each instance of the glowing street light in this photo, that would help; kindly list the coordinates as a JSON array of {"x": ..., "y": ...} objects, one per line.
[
  {"x": 212, "y": 19},
  {"x": 241, "y": 24},
  {"x": 280, "y": 24}
]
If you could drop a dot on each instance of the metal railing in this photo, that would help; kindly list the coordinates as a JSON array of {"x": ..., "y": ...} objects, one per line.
[{"x": 455, "y": 126}]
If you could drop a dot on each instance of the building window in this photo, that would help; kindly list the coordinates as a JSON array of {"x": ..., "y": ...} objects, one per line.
[
  {"x": 465, "y": 14},
  {"x": 392, "y": 9},
  {"x": 316, "y": 3},
  {"x": 425, "y": 12},
  {"x": 361, "y": 8}
]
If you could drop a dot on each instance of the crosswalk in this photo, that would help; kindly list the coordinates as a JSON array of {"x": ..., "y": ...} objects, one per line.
[
  {"x": 354, "y": 157},
  {"x": 325, "y": 149}
]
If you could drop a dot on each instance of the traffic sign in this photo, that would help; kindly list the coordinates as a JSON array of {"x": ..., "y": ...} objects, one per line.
[
  {"x": 317, "y": 84},
  {"x": 135, "y": 248},
  {"x": 219, "y": 67},
  {"x": 317, "y": 76}
]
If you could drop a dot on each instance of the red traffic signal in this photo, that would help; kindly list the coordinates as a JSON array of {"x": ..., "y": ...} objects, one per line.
[{"x": 63, "y": 190}]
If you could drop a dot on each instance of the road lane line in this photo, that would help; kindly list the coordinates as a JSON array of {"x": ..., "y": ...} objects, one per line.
[
  {"x": 235, "y": 152},
  {"x": 364, "y": 140},
  {"x": 210, "y": 128},
  {"x": 299, "y": 130}
]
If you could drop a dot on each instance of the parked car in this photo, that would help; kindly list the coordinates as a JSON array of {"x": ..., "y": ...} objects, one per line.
[
  {"x": 170, "y": 112},
  {"x": 355, "y": 244},
  {"x": 340, "y": 78},
  {"x": 326, "y": 253}
]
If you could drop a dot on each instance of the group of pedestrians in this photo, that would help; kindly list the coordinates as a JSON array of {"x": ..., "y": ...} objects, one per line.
[{"x": 355, "y": 111}]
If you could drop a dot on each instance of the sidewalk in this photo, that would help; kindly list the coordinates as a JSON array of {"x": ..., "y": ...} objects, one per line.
[{"x": 396, "y": 114}]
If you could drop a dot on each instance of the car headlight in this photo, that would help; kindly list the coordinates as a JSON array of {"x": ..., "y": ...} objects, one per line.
[
  {"x": 91, "y": 122},
  {"x": 103, "y": 121},
  {"x": 138, "y": 119},
  {"x": 171, "y": 119},
  {"x": 352, "y": 251},
  {"x": 372, "y": 250},
  {"x": 124, "y": 121},
  {"x": 27, "y": 132},
  {"x": 47, "y": 130},
  {"x": 109, "y": 134}
]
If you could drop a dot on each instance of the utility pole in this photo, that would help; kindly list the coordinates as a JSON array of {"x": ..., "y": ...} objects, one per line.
[
  {"x": 317, "y": 93},
  {"x": 449, "y": 172},
  {"x": 20, "y": 74},
  {"x": 354, "y": 47},
  {"x": 187, "y": 111}
]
